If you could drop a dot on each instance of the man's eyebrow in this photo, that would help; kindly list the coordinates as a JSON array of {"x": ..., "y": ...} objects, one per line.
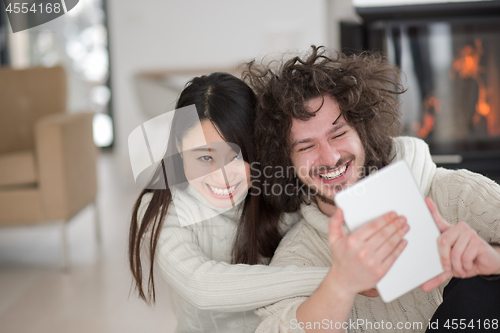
[
  {"x": 336, "y": 127},
  {"x": 301, "y": 141}
]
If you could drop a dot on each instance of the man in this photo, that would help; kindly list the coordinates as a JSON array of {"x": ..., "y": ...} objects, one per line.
[{"x": 333, "y": 119}]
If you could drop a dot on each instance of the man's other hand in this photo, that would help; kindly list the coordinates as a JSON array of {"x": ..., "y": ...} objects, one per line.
[{"x": 463, "y": 253}]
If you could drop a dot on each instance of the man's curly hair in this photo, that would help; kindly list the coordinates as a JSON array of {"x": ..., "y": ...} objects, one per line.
[{"x": 364, "y": 86}]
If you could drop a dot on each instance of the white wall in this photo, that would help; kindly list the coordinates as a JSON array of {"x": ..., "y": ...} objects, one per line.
[
  {"x": 339, "y": 10},
  {"x": 161, "y": 34}
]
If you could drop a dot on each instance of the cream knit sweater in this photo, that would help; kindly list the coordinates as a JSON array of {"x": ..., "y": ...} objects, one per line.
[
  {"x": 211, "y": 295},
  {"x": 208, "y": 293},
  {"x": 459, "y": 195}
]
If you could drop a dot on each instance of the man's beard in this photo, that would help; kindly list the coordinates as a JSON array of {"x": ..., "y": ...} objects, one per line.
[
  {"x": 317, "y": 194},
  {"x": 325, "y": 199}
]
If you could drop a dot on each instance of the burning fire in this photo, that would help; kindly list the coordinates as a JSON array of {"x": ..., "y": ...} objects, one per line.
[
  {"x": 467, "y": 65},
  {"x": 432, "y": 107}
]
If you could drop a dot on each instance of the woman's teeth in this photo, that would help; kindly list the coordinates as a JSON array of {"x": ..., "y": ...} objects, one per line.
[
  {"x": 222, "y": 191},
  {"x": 334, "y": 174}
]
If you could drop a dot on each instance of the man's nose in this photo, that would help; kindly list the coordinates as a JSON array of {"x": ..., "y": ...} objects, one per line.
[{"x": 328, "y": 155}]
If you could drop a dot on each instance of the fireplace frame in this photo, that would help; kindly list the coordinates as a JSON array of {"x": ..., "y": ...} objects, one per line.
[{"x": 356, "y": 37}]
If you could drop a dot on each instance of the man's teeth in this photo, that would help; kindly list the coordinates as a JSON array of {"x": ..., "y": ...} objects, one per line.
[
  {"x": 222, "y": 191},
  {"x": 334, "y": 174}
]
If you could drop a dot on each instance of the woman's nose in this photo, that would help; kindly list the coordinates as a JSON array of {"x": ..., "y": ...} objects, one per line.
[
  {"x": 219, "y": 177},
  {"x": 235, "y": 170}
]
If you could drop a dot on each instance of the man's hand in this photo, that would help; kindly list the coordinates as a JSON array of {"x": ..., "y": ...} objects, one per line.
[
  {"x": 359, "y": 261},
  {"x": 370, "y": 293},
  {"x": 463, "y": 253},
  {"x": 362, "y": 258}
]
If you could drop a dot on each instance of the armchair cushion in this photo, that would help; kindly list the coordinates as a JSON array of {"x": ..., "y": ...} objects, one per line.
[
  {"x": 20, "y": 206},
  {"x": 47, "y": 156},
  {"x": 17, "y": 169},
  {"x": 25, "y": 96},
  {"x": 66, "y": 160},
  {"x": 64, "y": 163}
]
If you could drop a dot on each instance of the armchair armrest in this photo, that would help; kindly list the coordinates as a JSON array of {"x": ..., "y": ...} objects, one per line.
[{"x": 66, "y": 158}]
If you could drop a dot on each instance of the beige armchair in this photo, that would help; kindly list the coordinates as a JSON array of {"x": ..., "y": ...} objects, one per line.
[{"x": 47, "y": 156}]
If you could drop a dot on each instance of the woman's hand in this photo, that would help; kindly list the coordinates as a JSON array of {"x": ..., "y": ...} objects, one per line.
[{"x": 361, "y": 259}]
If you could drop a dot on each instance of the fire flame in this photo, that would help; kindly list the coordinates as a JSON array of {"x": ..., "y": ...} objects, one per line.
[
  {"x": 467, "y": 65},
  {"x": 432, "y": 107}
]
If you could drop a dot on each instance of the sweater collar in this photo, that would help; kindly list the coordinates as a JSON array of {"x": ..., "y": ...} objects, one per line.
[
  {"x": 319, "y": 221},
  {"x": 189, "y": 198}
]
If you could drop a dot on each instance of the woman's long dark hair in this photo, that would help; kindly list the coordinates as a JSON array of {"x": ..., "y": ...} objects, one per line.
[{"x": 229, "y": 104}]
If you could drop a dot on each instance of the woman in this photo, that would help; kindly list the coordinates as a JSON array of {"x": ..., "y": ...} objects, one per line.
[{"x": 203, "y": 210}]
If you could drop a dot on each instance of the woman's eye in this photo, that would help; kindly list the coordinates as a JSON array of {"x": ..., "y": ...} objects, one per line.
[{"x": 205, "y": 158}]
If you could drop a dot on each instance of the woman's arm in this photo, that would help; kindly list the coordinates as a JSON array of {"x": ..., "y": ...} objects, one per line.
[
  {"x": 213, "y": 285},
  {"x": 208, "y": 284}
]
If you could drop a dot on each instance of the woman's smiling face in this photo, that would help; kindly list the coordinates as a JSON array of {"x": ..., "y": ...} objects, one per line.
[{"x": 214, "y": 167}]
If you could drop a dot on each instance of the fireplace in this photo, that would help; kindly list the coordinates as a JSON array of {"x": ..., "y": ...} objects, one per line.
[{"x": 450, "y": 54}]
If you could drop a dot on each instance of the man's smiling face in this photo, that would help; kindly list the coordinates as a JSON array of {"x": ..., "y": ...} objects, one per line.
[{"x": 326, "y": 151}]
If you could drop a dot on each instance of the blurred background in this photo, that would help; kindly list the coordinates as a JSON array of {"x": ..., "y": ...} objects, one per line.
[{"x": 72, "y": 90}]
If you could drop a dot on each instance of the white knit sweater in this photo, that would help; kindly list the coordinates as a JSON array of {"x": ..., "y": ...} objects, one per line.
[
  {"x": 211, "y": 295},
  {"x": 459, "y": 195}
]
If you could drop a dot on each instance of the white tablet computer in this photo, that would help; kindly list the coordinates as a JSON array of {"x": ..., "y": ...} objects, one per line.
[{"x": 393, "y": 189}]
